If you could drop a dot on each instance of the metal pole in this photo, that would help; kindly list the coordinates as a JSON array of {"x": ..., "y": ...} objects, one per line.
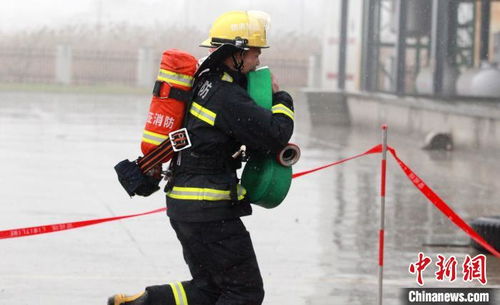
[
  {"x": 437, "y": 74},
  {"x": 377, "y": 44},
  {"x": 439, "y": 42},
  {"x": 485, "y": 29},
  {"x": 369, "y": 57},
  {"x": 400, "y": 77},
  {"x": 344, "y": 9},
  {"x": 382, "y": 215}
]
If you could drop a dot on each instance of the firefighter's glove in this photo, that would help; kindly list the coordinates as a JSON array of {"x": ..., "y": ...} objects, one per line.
[{"x": 134, "y": 181}]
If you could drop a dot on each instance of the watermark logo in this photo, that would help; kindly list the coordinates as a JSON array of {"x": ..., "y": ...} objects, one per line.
[
  {"x": 437, "y": 296},
  {"x": 473, "y": 268}
]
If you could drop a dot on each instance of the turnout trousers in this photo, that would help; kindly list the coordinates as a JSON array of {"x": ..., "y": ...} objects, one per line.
[{"x": 223, "y": 265}]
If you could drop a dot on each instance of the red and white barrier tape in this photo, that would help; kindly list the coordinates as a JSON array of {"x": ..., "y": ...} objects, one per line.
[
  {"x": 441, "y": 205},
  {"x": 374, "y": 150},
  {"x": 417, "y": 181},
  {"x": 22, "y": 232}
]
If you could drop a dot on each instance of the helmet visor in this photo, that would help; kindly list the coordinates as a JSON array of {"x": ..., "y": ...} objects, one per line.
[{"x": 258, "y": 25}]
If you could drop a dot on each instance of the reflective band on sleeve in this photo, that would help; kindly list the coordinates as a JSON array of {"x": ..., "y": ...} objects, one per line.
[
  {"x": 183, "y": 292},
  {"x": 175, "y": 78},
  {"x": 196, "y": 193},
  {"x": 153, "y": 137},
  {"x": 203, "y": 113},
  {"x": 280, "y": 108},
  {"x": 179, "y": 293},
  {"x": 226, "y": 77}
]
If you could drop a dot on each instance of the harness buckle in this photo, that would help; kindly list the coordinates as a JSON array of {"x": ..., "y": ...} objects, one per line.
[
  {"x": 241, "y": 152},
  {"x": 179, "y": 139}
]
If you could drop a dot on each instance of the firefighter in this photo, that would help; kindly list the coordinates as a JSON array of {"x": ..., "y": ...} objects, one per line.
[{"x": 204, "y": 199}]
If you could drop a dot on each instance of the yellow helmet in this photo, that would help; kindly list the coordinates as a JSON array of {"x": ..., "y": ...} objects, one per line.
[{"x": 242, "y": 29}]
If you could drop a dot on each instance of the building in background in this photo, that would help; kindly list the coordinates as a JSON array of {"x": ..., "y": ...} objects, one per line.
[
  {"x": 422, "y": 66},
  {"x": 411, "y": 46}
]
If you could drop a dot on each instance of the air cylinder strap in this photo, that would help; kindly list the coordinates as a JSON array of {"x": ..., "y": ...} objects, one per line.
[
  {"x": 156, "y": 156},
  {"x": 173, "y": 92}
]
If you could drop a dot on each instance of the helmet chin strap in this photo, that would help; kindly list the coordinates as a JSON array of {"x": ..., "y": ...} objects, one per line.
[{"x": 238, "y": 65}]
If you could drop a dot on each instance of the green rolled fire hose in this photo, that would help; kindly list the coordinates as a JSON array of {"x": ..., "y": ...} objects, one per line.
[{"x": 267, "y": 182}]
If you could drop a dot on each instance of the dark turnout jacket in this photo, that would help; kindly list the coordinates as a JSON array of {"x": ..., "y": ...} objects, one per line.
[{"x": 221, "y": 118}]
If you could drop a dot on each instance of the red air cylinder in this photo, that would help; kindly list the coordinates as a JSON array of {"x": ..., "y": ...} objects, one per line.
[{"x": 166, "y": 113}]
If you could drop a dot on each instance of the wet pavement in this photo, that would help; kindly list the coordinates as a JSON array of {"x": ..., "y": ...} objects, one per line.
[{"x": 320, "y": 247}]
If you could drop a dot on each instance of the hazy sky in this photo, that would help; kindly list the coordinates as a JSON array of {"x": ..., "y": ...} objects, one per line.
[{"x": 291, "y": 15}]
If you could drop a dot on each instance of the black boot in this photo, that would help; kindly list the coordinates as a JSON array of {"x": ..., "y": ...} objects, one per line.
[{"x": 122, "y": 299}]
